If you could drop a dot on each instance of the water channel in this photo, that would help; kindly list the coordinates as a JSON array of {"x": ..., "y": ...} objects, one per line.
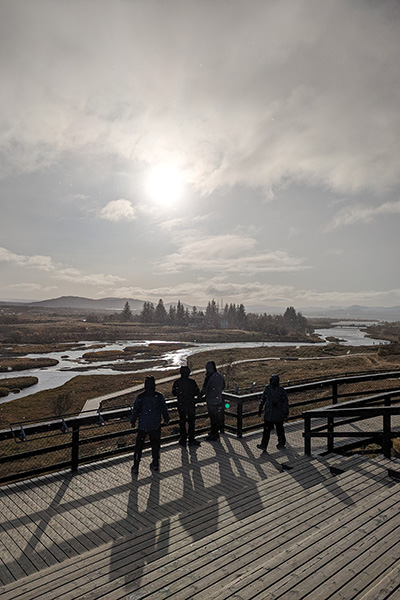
[{"x": 349, "y": 333}]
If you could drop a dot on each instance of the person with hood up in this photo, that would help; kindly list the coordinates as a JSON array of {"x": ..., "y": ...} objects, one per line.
[
  {"x": 186, "y": 391},
  {"x": 148, "y": 408},
  {"x": 214, "y": 384},
  {"x": 275, "y": 413}
]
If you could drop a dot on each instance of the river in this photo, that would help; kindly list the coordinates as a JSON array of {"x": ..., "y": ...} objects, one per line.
[{"x": 349, "y": 333}]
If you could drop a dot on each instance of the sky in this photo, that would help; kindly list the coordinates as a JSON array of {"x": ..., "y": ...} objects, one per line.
[{"x": 191, "y": 149}]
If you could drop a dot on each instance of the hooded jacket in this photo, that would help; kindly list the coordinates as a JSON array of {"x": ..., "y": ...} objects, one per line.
[
  {"x": 149, "y": 407},
  {"x": 185, "y": 389},
  {"x": 276, "y": 402},
  {"x": 214, "y": 384}
]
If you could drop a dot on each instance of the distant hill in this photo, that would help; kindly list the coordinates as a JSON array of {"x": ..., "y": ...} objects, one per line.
[
  {"x": 89, "y": 304},
  {"x": 356, "y": 312},
  {"x": 79, "y": 303},
  {"x": 374, "y": 313}
]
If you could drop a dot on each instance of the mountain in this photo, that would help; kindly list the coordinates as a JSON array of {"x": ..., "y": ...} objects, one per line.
[
  {"x": 90, "y": 304},
  {"x": 355, "y": 312},
  {"x": 77, "y": 302},
  {"x": 374, "y": 313}
]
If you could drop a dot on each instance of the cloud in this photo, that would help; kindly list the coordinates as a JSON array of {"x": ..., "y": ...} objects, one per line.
[
  {"x": 229, "y": 253},
  {"x": 289, "y": 90},
  {"x": 359, "y": 213},
  {"x": 57, "y": 270},
  {"x": 44, "y": 263},
  {"x": 118, "y": 210},
  {"x": 29, "y": 287}
]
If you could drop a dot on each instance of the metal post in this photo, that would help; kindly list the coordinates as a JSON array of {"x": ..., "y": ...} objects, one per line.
[
  {"x": 307, "y": 435},
  {"x": 239, "y": 418},
  {"x": 75, "y": 447},
  {"x": 330, "y": 440},
  {"x": 387, "y": 436},
  {"x": 334, "y": 392}
]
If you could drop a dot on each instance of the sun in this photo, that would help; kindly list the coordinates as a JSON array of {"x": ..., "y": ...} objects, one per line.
[{"x": 165, "y": 185}]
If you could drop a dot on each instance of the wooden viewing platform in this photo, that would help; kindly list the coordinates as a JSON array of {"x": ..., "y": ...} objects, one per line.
[{"x": 221, "y": 521}]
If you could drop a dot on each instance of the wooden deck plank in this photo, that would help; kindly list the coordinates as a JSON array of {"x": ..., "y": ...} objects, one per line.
[
  {"x": 173, "y": 565},
  {"x": 59, "y": 527},
  {"x": 345, "y": 562},
  {"x": 198, "y": 500},
  {"x": 50, "y": 537},
  {"x": 243, "y": 506},
  {"x": 73, "y": 518},
  {"x": 23, "y": 542},
  {"x": 303, "y": 559},
  {"x": 325, "y": 558},
  {"x": 243, "y": 553},
  {"x": 10, "y": 569},
  {"x": 386, "y": 587},
  {"x": 89, "y": 496}
]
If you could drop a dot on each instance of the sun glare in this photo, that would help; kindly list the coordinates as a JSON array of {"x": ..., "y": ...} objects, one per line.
[{"x": 165, "y": 185}]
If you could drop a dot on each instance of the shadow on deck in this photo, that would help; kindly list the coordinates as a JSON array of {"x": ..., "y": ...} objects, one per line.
[{"x": 218, "y": 521}]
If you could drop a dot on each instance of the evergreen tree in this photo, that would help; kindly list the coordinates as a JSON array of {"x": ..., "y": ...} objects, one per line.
[
  {"x": 212, "y": 315},
  {"x": 160, "y": 314},
  {"x": 147, "y": 314},
  {"x": 172, "y": 314},
  {"x": 241, "y": 316},
  {"x": 126, "y": 314},
  {"x": 180, "y": 313}
]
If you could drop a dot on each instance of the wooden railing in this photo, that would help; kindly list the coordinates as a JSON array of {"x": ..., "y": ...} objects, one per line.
[
  {"x": 378, "y": 405},
  {"x": 32, "y": 448}
]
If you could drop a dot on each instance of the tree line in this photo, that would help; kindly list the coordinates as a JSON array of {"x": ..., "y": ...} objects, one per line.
[{"x": 231, "y": 316}]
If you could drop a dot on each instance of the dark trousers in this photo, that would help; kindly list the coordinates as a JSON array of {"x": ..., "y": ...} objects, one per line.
[
  {"x": 217, "y": 419},
  {"x": 155, "y": 440},
  {"x": 187, "y": 415},
  {"x": 280, "y": 431}
]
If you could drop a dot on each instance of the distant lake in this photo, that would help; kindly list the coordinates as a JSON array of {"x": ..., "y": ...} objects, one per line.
[{"x": 350, "y": 333}]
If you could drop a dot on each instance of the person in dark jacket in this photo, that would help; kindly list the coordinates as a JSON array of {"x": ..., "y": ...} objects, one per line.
[
  {"x": 214, "y": 384},
  {"x": 148, "y": 408},
  {"x": 275, "y": 413},
  {"x": 186, "y": 391}
]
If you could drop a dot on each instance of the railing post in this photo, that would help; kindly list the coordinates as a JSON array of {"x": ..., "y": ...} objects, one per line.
[
  {"x": 239, "y": 418},
  {"x": 387, "y": 436},
  {"x": 334, "y": 392},
  {"x": 307, "y": 435},
  {"x": 75, "y": 446},
  {"x": 330, "y": 440}
]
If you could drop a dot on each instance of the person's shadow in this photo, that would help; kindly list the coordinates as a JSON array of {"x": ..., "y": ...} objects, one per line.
[
  {"x": 193, "y": 486},
  {"x": 149, "y": 543}
]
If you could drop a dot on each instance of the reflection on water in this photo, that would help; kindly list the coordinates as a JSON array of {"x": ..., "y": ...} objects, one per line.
[{"x": 349, "y": 333}]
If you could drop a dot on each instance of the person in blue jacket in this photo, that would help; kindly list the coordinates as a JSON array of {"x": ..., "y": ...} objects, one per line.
[
  {"x": 149, "y": 407},
  {"x": 276, "y": 411}
]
